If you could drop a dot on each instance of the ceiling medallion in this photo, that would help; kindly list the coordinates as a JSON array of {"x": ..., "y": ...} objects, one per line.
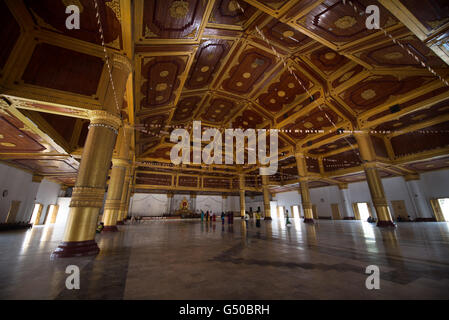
[
  {"x": 345, "y": 22},
  {"x": 368, "y": 94},
  {"x": 179, "y": 9}
]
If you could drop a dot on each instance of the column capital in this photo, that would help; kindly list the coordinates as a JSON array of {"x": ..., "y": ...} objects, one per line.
[
  {"x": 101, "y": 118},
  {"x": 412, "y": 176},
  {"x": 342, "y": 186},
  {"x": 37, "y": 178},
  {"x": 169, "y": 194}
]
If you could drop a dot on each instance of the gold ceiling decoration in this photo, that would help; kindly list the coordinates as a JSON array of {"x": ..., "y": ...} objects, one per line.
[
  {"x": 345, "y": 22},
  {"x": 179, "y": 9}
]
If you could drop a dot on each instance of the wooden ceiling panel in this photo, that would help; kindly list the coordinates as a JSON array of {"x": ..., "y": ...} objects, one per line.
[
  {"x": 338, "y": 24},
  {"x": 9, "y": 33},
  {"x": 344, "y": 160},
  {"x": 218, "y": 109},
  {"x": 207, "y": 61},
  {"x": 338, "y": 144},
  {"x": 173, "y": 20},
  {"x": 284, "y": 91},
  {"x": 227, "y": 13},
  {"x": 186, "y": 108},
  {"x": 327, "y": 60},
  {"x": 63, "y": 69},
  {"x": 431, "y": 14},
  {"x": 48, "y": 166},
  {"x": 285, "y": 35},
  {"x": 437, "y": 110},
  {"x": 49, "y": 15},
  {"x": 432, "y": 137},
  {"x": 429, "y": 165},
  {"x": 317, "y": 119},
  {"x": 374, "y": 91},
  {"x": 161, "y": 77},
  {"x": 391, "y": 55},
  {"x": 250, "y": 67},
  {"x": 249, "y": 119}
]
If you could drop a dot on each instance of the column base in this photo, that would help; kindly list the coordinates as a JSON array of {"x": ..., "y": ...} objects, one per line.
[
  {"x": 76, "y": 249},
  {"x": 385, "y": 224},
  {"x": 267, "y": 218},
  {"x": 308, "y": 220},
  {"x": 120, "y": 223},
  {"x": 110, "y": 229}
]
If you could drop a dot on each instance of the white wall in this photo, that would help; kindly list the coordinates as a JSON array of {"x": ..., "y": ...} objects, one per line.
[
  {"x": 143, "y": 204},
  {"x": 254, "y": 203},
  {"x": 434, "y": 184},
  {"x": 20, "y": 188}
]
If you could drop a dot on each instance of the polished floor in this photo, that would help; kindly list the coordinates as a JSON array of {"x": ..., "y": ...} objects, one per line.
[{"x": 190, "y": 260}]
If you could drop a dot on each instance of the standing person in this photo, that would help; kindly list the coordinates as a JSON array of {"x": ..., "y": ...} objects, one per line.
[
  {"x": 246, "y": 218},
  {"x": 222, "y": 217},
  {"x": 207, "y": 216},
  {"x": 287, "y": 222},
  {"x": 214, "y": 218},
  {"x": 229, "y": 217},
  {"x": 258, "y": 219},
  {"x": 202, "y": 215}
]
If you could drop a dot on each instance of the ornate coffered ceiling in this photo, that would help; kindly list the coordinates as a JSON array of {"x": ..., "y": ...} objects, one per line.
[{"x": 309, "y": 68}]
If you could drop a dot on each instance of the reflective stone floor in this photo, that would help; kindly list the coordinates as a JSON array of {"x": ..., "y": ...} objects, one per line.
[{"x": 190, "y": 260}]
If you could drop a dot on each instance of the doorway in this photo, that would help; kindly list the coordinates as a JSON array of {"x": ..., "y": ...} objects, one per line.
[
  {"x": 281, "y": 212},
  {"x": 440, "y": 209},
  {"x": 399, "y": 210},
  {"x": 12, "y": 213},
  {"x": 361, "y": 211},
  {"x": 295, "y": 211},
  {"x": 335, "y": 211},
  {"x": 36, "y": 216}
]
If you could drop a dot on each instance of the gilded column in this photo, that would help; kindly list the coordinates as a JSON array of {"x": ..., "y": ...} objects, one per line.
[
  {"x": 88, "y": 193},
  {"x": 117, "y": 184},
  {"x": 124, "y": 199},
  {"x": 266, "y": 198},
  {"x": 374, "y": 182},
  {"x": 304, "y": 187},
  {"x": 242, "y": 194}
]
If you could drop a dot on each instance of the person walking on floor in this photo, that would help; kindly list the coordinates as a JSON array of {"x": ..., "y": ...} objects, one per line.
[
  {"x": 246, "y": 218},
  {"x": 222, "y": 217},
  {"x": 202, "y": 215},
  {"x": 258, "y": 219}
]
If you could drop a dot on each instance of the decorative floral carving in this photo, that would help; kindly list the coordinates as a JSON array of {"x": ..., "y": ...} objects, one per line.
[
  {"x": 179, "y": 9},
  {"x": 345, "y": 22},
  {"x": 368, "y": 94}
]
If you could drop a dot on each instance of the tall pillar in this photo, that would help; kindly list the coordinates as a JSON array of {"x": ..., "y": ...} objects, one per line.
[
  {"x": 123, "y": 212},
  {"x": 373, "y": 178},
  {"x": 304, "y": 187},
  {"x": 242, "y": 194},
  {"x": 266, "y": 198},
  {"x": 193, "y": 198},
  {"x": 346, "y": 200},
  {"x": 88, "y": 193},
  {"x": 117, "y": 182},
  {"x": 414, "y": 189}
]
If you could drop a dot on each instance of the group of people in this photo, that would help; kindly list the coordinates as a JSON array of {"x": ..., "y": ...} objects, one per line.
[{"x": 212, "y": 217}]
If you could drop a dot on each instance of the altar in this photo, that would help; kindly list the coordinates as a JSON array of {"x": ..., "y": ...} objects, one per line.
[{"x": 184, "y": 210}]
